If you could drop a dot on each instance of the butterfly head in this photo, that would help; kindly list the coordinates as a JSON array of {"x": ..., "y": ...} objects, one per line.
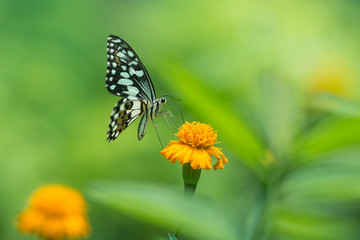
[
  {"x": 163, "y": 100},
  {"x": 158, "y": 104}
]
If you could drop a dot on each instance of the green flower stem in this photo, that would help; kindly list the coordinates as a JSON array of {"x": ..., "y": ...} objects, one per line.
[
  {"x": 191, "y": 178},
  {"x": 270, "y": 191}
]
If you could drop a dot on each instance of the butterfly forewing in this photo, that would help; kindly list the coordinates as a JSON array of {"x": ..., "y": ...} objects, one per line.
[
  {"x": 123, "y": 114},
  {"x": 126, "y": 76}
]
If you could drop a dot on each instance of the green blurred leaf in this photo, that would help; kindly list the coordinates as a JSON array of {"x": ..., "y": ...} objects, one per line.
[
  {"x": 278, "y": 111},
  {"x": 172, "y": 237},
  {"x": 317, "y": 200},
  {"x": 311, "y": 222},
  {"x": 198, "y": 218},
  {"x": 332, "y": 177},
  {"x": 329, "y": 134},
  {"x": 335, "y": 104}
]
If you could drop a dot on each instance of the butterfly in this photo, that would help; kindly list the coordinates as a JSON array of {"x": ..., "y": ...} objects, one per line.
[{"x": 126, "y": 77}]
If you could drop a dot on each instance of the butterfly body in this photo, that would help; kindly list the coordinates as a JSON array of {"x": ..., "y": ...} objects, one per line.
[{"x": 127, "y": 77}]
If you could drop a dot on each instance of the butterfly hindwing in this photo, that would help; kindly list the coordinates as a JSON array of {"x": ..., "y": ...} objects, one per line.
[
  {"x": 123, "y": 114},
  {"x": 126, "y": 76}
]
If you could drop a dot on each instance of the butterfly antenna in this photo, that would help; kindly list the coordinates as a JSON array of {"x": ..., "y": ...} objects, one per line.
[
  {"x": 170, "y": 95},
  {"x": 157, "y": 133}
]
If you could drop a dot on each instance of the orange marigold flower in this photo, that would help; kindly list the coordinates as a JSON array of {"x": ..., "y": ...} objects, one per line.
[
  {"x": 196, "y": 146},
  {"x": 55, "y": 212}
]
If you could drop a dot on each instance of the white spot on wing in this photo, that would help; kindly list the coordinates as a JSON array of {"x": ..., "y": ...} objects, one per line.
[
  {"x": 120, "y": 55},
  {"x": 136, "y": 105},
  {"x": 112, "y": 87},
  {"x": 132, "y": 71},
  {"x": 124, "y": 81},
  {"x": 116, "y": 40},
  {"x": 130, "y": 97},
  {"x": 135, "y": 113},
  {"x": 139, "y": 73},
  {"x": 130, "y": 53},
  {"x": 113, "y": 72},
  {"x": 133, "y": 89},
  {"x": 125, "y": 74}
]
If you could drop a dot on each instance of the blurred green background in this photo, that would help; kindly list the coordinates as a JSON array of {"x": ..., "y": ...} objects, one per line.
[{"x": 278, "y": 80}]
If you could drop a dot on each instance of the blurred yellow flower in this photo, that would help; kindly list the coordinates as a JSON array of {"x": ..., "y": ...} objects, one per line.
[
  {"x": 196, "y": 146},
  {"x": 55, "y": 212},
  {"x": 333, "y": 75}
]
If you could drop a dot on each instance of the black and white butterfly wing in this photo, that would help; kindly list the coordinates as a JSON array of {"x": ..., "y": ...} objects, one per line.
[
  {"x": 123, "y": 114},
  {"x": 126, "y": 76}
]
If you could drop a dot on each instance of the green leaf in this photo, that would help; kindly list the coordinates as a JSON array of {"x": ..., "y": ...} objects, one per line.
[
  {"x": 332, "y": 177},
  {"x": 312, "y": 222},
  {"x": 335, "y": 104},
  {"x": 334, "y": 132},
  {"x": 278, "y": 111},
  {"x": 172, "y": 237},
  {"x": 163, "y": 207}
]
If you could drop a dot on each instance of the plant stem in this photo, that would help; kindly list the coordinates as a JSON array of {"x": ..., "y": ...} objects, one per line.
[
  {"x": 191, "y": 178},
  {"x": 269, "y": 194}
]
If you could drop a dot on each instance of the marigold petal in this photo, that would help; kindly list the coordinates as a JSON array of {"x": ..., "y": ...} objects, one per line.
[
  {"x": 76, "y": 226},
  {"x": 53, "y": 229},
  {"x": 58, "y": 199},
  {"x": 221, "y": 159},
  {"x": 177, "y": 151},
  {"x": 200, "y": 159},
  {"x": 218, "y": 165},
  {"x": 197, "y": 135},
  {"x": 170, "y": 152},
  {"x": 184, "y": 154},
  {"x": 30, "y": 221}
]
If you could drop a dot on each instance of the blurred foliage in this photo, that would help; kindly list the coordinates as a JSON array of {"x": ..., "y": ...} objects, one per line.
[{"x": 279, "y": 80}]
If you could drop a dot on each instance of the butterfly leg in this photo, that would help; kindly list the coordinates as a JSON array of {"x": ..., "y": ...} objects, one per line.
[
  {"x": 170, "y": 122},
  {"x": 169, "y": 117},
  {"x": 172, "y": 116},
  {"x": 182, "y": 116},
  {"x": 157, "y": 133}
]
